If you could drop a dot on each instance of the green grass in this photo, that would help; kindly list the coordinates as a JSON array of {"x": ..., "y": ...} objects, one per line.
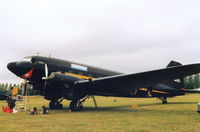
[{"x": 111, "y": 116}]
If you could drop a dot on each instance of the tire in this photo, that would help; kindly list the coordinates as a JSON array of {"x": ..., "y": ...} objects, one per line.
[
  {"x": 52, "y": 105},
  {"x": 75, "y": 105}
]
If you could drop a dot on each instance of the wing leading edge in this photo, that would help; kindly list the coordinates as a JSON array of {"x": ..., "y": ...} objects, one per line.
[{"x": 130, "y": 82}]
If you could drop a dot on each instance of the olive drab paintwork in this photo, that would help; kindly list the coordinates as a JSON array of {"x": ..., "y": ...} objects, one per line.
[{"x": 60, "y": 79}]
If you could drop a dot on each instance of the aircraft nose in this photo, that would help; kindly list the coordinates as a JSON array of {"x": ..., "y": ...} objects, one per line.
[
  {"x": 19, "y": 68},
  {"x": 11, "y": 66}
]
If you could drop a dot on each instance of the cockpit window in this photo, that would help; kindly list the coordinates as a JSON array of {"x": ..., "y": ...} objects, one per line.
[
  {"x": 27, "y": 59},
  {"x": 33, "y": 60}
]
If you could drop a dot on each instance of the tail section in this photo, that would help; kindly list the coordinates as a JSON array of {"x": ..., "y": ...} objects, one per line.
[
  {"x": 171, "y": 88},
  {"x": 178, "y": 83}
]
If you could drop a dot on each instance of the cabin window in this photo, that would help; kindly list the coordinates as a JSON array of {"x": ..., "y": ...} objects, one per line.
[
  {"x": 177, "y": 80},
  {"x": 79, "y": 67},
  {"x": 39, "y": 62}
]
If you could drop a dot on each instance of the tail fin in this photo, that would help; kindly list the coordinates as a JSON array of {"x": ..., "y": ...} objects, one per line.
[
  {"x": 174, "y": 63},
  {"x": 181, "y": 80}
]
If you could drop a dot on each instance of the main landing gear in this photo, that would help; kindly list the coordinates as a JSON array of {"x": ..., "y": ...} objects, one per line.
[
  {"x": 55, "y": 104},
  {"x": 76, "y": 105},
  {"x": 163, "y": 99}
]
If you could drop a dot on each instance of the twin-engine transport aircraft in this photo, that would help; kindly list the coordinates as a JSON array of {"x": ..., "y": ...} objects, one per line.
[{"x": 58, "y": 79}]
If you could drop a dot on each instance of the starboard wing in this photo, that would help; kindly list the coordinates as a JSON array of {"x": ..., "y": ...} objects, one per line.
[{"x": 129, "y": 82}]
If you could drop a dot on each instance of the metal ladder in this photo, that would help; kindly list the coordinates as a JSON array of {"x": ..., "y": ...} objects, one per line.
[{"x": 21, "y": 103}]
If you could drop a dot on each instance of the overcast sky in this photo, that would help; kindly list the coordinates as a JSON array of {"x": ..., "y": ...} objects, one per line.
[{"x": 123, "y": 35}]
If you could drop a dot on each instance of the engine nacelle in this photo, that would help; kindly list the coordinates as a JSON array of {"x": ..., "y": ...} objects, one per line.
[{"x": 66, "y": 84}]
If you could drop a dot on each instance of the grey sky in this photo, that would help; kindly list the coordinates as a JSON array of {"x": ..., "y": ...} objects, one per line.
[{"x": 124, "y": 35}]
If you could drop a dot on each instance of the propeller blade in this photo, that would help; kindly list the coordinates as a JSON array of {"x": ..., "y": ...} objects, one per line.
[
  {"x": 46, "y": 70},
  {"x": 45, "y": 78}
]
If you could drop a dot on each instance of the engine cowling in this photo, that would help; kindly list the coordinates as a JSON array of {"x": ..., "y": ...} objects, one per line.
[{"x": 66, "y": 84}]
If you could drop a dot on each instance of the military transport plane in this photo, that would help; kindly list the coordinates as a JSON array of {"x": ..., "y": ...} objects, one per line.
[{"x": 59, "y": 79}]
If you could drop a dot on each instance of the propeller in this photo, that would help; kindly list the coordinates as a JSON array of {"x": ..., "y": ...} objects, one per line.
[
  {"x": 46, "y": 70},
  {"x": 46, "y": 77}
]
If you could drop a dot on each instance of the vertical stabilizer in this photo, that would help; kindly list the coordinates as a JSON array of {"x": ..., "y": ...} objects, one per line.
[{"x": 181, "y": 80}]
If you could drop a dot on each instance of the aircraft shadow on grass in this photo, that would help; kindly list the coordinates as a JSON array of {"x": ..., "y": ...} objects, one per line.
[
  {"x": 170, "y": 103},
  {"x": 103, "y": 109},
  {"x": 129, "y": 108}
]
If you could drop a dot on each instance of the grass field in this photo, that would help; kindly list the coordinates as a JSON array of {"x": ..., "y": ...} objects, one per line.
[{"x": 112, "y": 115}]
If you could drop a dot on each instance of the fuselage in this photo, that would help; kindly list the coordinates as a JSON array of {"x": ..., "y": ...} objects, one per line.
[
  {"x": 60, "y": 79},
  {"x": 34, "y": 68},
  {"x": 54, "y": 65}
]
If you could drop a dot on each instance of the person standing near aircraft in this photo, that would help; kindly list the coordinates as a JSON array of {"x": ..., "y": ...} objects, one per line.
[
  {"x": 35, "y": 111},
  {"x": 11, "y": 101},
  {"x": 45, "y": 110}
]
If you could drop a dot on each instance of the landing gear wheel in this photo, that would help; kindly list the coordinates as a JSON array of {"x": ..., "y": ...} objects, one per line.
[
  {"x": 55, "y": 105},
  {"x": 76, "y": 105}
]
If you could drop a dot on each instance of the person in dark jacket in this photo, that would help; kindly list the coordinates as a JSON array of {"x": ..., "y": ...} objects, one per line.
[
  {"x": 11, "y": 102},
  {"x": 35, "y": 111},
  {"x": 45, "y": 110}
]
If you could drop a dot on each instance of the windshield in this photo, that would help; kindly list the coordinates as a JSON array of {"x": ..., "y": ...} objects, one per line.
[{"x": 27, "y": 59}]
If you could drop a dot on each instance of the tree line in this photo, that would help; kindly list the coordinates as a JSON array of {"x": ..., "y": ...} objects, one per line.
[
  {"x": 190, "y": 82},
  {"x": 5, "y": 89}
]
